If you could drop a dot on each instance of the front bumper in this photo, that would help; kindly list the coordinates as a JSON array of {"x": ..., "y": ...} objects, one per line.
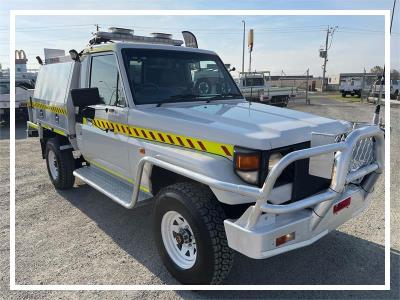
[
  {"x": 256, "y": 232},
  {"x": 260, "y": 241}
]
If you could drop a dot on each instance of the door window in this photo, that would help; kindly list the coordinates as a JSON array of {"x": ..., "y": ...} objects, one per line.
[{"x": 105, "y": 76}]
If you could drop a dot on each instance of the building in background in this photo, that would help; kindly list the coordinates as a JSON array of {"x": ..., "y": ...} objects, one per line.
[
  {"x": 334, "y": 81},
  {"x": 297, "y": 81}
]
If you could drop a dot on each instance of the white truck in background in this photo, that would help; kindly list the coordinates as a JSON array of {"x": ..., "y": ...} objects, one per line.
[
  {"x": 24, "y": 87},
  {"x": 394, "y": 89},
  {"x": 255, "y": 87},
  {"x": 351, "y": 86}
]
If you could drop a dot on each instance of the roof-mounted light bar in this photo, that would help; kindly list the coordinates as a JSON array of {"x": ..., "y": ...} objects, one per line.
[{"x": 126, "y": 35}]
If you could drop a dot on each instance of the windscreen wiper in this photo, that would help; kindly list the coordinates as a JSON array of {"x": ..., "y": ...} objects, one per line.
[
  {"x": 177, "y": 98},
  {"x": 223, "y": 96}
]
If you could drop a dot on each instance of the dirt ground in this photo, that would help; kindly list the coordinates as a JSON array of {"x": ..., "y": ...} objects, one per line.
[{"x": 81, "y": 237}]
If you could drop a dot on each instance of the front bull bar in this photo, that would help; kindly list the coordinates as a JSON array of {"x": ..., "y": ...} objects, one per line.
[{"x": 343, "y": 155}]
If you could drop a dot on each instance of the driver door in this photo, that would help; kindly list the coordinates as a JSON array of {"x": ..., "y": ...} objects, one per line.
[{"x": 105, "y": 146}]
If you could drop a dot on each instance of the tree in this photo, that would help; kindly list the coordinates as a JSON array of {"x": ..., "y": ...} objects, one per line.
[
  {"x": 394, "y": 74},
  {"x": 377, "y": 70}
]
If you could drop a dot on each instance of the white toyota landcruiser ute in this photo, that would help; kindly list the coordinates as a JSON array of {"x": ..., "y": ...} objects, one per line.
[
  {"x": 126, "y": 117},
  {"x": 254, "y": 86}
]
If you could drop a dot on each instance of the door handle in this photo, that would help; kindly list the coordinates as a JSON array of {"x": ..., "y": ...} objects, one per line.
[{"x": 111, "y": 110}]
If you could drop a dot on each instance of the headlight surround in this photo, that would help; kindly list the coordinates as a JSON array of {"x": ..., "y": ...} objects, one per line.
[
  {"x": 274, "y": 158},
  {"x": 247, "y": 164}
]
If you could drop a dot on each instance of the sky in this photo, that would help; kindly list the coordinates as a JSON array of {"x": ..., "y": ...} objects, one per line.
[{"x": 287, "y": 44}]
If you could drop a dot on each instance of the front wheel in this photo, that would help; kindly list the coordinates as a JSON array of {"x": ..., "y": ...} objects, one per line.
[
  {"x": 285, "y": 101},
  {"x": 190, "y": 236}
]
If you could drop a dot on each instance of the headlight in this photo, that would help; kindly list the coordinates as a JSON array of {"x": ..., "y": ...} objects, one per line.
[
  {"x": 251, "y": 165},
  {"x": 273, "y": 160},
  {"x": 247, "y": 164}
]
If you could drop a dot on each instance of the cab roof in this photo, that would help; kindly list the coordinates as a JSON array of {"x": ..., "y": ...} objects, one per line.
[{"x": 120, "y": 45}]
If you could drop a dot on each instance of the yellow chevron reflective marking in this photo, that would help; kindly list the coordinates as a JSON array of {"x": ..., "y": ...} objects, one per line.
[
  {"x": 225, "y": 150},
  {"x": 32, "y": 125},
  {"x": 52, "y": 108}
]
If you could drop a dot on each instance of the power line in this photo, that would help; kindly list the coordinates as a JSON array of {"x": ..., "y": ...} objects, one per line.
[{"x": 286, "y": 29}]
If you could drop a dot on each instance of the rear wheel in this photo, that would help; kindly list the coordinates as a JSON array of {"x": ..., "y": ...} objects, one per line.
[
  {"x": 190, "y": 235},
  {"x": 60, "y": 165},
  {"x": 344, "y": 95}
]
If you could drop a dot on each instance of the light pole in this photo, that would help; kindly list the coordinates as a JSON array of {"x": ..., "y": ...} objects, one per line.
[{"x": 244, "y": 42}]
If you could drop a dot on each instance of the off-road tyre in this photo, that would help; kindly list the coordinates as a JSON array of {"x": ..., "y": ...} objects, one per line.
[
  {"x": 197, "y": 204},
  {"x": 65, "y": 163}
]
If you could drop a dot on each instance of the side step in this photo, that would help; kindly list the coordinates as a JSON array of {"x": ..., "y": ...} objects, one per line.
[{"x": 118, "y": 190}]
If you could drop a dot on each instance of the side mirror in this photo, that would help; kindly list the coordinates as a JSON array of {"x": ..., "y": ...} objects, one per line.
[
  {"x": 232, "y": 69},
  {"x": 82, "y": 98},
  {"x": 85, "y": 97}
]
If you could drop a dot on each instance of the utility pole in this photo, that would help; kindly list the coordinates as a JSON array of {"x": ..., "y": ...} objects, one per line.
[
  {"x": 363, "y": 86},
  {"x": 325, "y": 59},
  {"x": 324, "y": 53},
  {"x": 307, "y": 99},
  {"x": 244, "y": 43}
]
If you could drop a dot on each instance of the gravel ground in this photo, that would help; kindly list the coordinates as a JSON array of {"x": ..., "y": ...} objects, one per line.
[{"x": 81, "y": 237}]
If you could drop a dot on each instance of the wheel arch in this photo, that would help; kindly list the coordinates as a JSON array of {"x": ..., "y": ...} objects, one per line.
[
  {"x": 161, "y": 178},
  {"x": 47, "y": 135}
]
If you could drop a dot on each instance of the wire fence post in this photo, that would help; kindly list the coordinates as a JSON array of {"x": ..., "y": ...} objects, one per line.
[
  {"x": 362, "y": 94},
  {"x": 307, "y": 99}
]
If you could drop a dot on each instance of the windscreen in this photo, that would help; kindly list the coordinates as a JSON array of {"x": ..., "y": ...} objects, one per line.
[
  {"x": 162, "y": 76},
  {"x": 254, "y": 81}
]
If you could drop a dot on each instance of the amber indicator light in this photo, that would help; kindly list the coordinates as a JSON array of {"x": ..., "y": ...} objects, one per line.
[
  {"x": 285, "y": 238},
  {"x": 247, "y": 162}
]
